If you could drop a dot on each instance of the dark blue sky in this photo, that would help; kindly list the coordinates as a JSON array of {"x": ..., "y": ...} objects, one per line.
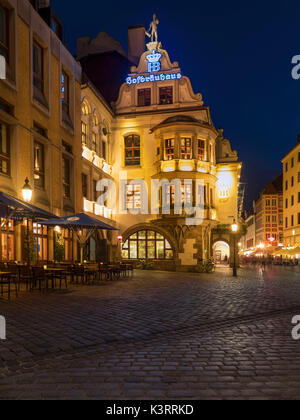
[{"x": 237, "y": 54}]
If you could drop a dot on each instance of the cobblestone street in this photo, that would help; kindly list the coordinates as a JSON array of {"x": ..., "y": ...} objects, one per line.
[{"x": 156, "y": 336}]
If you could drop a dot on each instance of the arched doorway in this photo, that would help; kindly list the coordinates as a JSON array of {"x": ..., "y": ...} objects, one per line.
[{"x": 221, "y": 252}]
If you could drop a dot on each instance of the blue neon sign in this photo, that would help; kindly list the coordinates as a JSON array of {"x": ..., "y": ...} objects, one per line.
[
  {"x": 154, "y": 61},
  {"x": 152, "y": 78}
]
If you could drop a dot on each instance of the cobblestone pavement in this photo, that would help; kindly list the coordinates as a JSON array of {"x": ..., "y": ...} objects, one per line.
[{"x": 156, "y": 336}]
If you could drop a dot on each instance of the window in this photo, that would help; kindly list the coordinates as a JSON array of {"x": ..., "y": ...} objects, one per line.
[
  {"x": 144, "y": 97},
  {"x": 274, "y": 203},
  {"x": 169, "y": 149},
  {"x": 201, "y": 150},
  {"x": 286, "y": 203},
  {"x": 67, "y": 148},
  {"x": 211, "y": 156},
  {"x": 268, "y": 202},
  {"x": 292, "y": 163},
  {"x": 286, "y": 167},
  {"x": 281, "y": 219},
  {"x": 4, "y": 33},
  {"x": 268, "y": 219},
  {"x": 298, "y": 156},
  {"x": 39, "y": 170},
  {"x": 7, "y": 241},
  {"x": 4, "y": 150},
  {"x": 286, "y": 185},
  {"x": 165, "y": 95},
  {"x": 84, "y": 133},
  {"x": 65, "y": 94},
  {"x": 132, "y": 150},
  {"x": 41, "y": 239},
  {"x": 147, "y": 245},
  {"x": 292, "y": 200},
  {"x": 298, "y": 177},
  {"x": 38, "y": 67},
  {"x": 298, "y": 218},
  {"x": 292, "y": 220},
  {"x": 94, "y": 142},
  {"x": 274, "y": 219},
  {"x": 186, "y": 148},
  {"x": 104, "y": 150},
  {"x": 286, "y": 222},
  {"x": 66, "y": 177},
  {"x": 133, "y": 197},
  {"x": 85, "y": 109},
  {"x": 84, "y": 180},
  {"x": 298, "y": 197},
  {"x": 292, "y": 181},
  {"x": 95, "y": 192}
]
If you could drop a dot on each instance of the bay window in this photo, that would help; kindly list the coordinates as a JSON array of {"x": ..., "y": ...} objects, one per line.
[
  {"x": 169, "y": 149},
  {"x": 186, "y": 148}
]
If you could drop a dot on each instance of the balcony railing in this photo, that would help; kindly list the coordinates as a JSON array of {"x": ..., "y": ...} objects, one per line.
[
  {"x": 94, "y": 208},
  {"x": 96, "y": 160}
]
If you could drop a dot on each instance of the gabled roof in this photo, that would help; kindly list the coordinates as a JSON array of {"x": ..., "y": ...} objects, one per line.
[{"x": 274, "y": 187}]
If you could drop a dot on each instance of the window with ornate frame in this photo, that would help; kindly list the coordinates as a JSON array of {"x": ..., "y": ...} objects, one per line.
[
  {"x": 132, "y": 150},
  {"x": 65, "y": 92},
  {"x": 4, "y": 149},
  {"x": 166, "y": 95},
  {"x": 133, "y": 197},
  {"x": 149, "y": 245},
  {"x": 186, "y": 148},
  {"x": 169, "y": 149},
  {"x": 144, "y": 97}
]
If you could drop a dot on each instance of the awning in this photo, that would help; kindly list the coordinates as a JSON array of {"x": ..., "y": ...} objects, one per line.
[
  {"x": 16, "y": 209},
  {"x": 78, "y": 222}
]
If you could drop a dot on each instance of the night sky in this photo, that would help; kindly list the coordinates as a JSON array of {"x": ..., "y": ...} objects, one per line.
[{"x": 237, "y": 54}]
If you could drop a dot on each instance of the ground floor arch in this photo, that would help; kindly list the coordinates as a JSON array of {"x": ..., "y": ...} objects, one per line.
[{"x": 221, "y": 252}]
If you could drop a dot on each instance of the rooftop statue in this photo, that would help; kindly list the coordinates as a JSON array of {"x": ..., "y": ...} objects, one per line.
[{"x": 153, "y": 30}]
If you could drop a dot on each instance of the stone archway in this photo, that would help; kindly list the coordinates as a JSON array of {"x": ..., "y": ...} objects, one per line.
[{"x": 221, "y": 252}]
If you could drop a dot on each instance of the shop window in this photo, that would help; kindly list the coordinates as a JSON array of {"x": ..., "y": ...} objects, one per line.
[
  {"x": 144, "y": 97},
  {"x": 166, "y": 95},
  {"x": 169, "y": 149},
  {"x": 41, "y": 241},
  {"x": 7, "y": 241},
  {"x": 147, "y": 245},
  {"x": 4, "y": 150},
  {"x": 39, "y": 162},
  {"x": 132, "y": 150}
]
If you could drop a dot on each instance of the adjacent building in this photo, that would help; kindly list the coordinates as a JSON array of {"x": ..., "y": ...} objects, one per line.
[
  {"x": 291, "y": 199},
  {"x": 40, "y": 113}
]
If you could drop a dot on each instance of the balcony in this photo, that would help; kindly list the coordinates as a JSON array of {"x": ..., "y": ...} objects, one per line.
[
  {"x": 182, "y": 165},
  {"x": 96, "y": 160}
]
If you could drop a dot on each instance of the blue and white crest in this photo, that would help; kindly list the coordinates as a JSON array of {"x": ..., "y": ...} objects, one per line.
[{"x": 154, "y": 61}]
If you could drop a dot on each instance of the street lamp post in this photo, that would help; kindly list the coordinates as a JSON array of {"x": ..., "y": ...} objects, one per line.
[
  {"x": 27, "y": 196},
  {"x": 234, "y": 228}
]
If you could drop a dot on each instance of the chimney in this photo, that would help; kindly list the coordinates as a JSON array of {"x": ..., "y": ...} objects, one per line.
[{"x": 136, "y": 42}]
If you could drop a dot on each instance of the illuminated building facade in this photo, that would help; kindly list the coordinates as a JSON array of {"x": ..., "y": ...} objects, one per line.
[
  {"x": 269, "y": 215},
  {"x": 161, "y": 130},
  {"x": 291, "y": 200},
  {"x": 39, "y": 122}
]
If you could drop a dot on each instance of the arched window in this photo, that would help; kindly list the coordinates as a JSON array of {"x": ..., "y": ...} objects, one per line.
[
  {"x": 147, "y": 244},
  {"x": 132, "y": 150}
]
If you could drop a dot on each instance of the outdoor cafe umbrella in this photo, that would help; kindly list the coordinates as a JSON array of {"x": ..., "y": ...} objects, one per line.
[
  {"x": 82, "y": 225},
  {"x": 17, "y": 210}
]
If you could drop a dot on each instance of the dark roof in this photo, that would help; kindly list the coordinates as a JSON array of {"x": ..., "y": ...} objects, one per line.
[
  {"x": 107, "y": 71},
  {"x": 274, "y": 187}
]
